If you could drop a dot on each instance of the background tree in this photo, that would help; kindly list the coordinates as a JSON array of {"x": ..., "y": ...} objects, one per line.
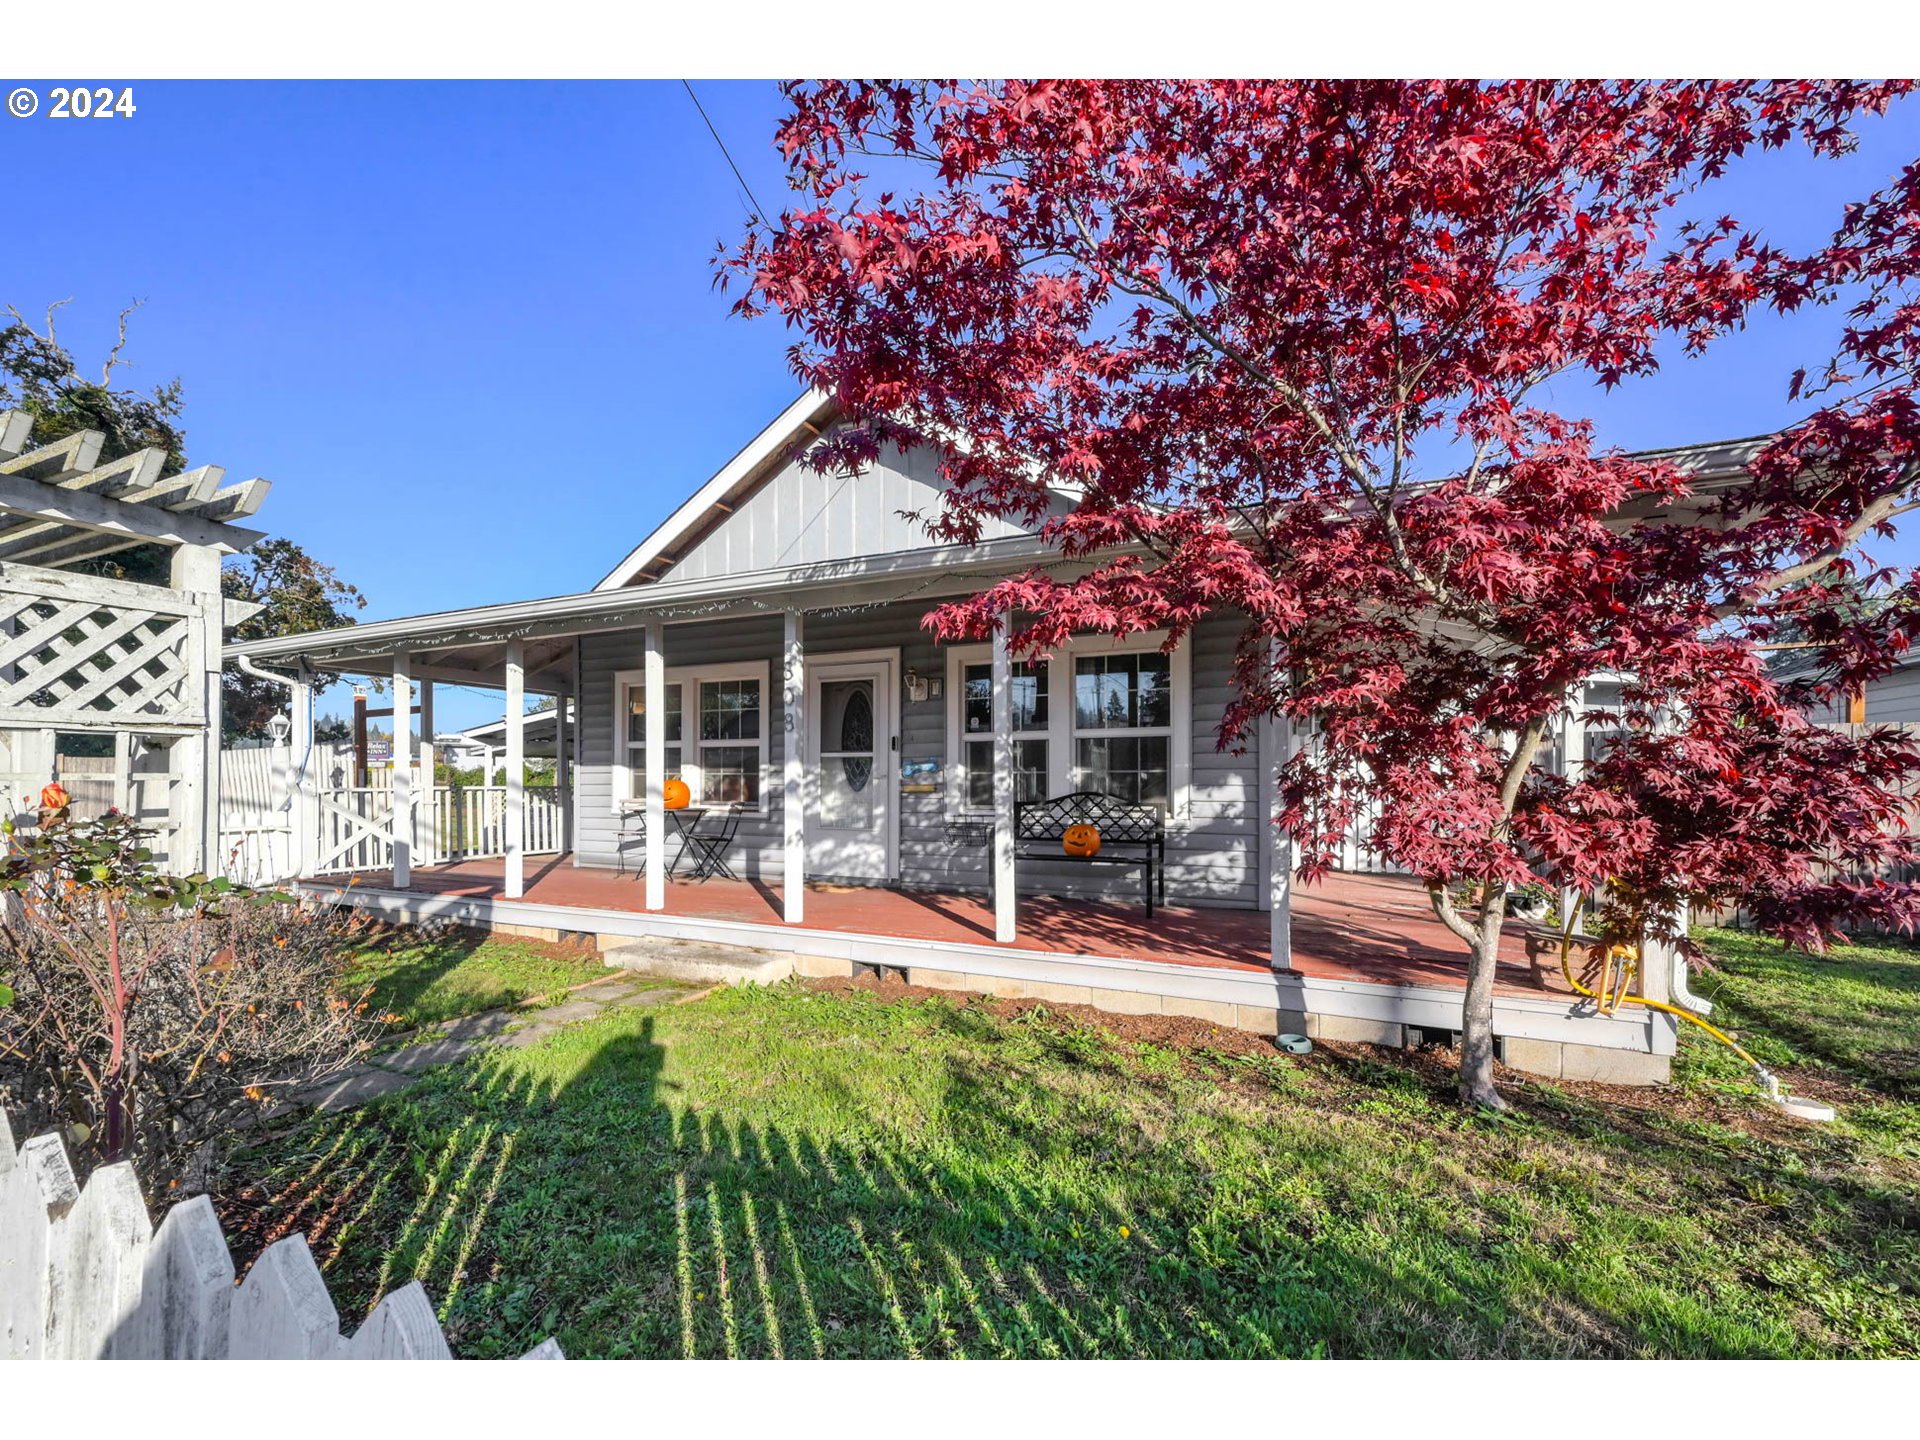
[
  {"x": 299, "y": 594},
  {"x": 1287, "y": 342}
]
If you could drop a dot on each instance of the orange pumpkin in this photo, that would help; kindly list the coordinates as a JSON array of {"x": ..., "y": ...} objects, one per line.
[
  {"x": 675, "y": 795},
  {"x": 1081, "y": 840}
]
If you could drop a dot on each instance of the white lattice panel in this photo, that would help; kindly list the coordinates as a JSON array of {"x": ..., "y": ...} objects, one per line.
[{"x": 98, "y": 653}]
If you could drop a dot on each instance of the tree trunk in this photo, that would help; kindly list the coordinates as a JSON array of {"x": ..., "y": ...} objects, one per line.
[
  {"x": 1476, "y": 1020},
  {"x": 1476, "y": 1006}
]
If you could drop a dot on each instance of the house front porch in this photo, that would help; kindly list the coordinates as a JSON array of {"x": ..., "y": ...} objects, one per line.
[{"x": 1369, "y": 962}]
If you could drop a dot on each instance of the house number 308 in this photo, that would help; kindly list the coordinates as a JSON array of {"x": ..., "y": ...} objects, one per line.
[{"x": 81, "y": 102}]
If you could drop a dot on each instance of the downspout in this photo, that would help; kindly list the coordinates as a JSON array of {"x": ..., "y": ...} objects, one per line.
[{"x": 1681, "y": 994}]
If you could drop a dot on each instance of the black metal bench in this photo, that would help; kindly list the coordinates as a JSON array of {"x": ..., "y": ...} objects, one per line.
[{"x": 1131, "y": 835}]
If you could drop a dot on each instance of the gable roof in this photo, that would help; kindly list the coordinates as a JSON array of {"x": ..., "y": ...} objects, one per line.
[{"x": 712, "y": 502}]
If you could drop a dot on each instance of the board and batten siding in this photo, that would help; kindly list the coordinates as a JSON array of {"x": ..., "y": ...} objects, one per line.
[
  {"x": 1213, "y": 851},
  {"x": 799, "y": 517}
]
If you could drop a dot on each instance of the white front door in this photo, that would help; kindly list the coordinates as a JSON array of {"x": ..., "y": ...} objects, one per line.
[{"x": 852, "y": 735}]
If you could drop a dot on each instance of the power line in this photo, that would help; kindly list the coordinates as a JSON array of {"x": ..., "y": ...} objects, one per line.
[{"x": 760, "y": 211}]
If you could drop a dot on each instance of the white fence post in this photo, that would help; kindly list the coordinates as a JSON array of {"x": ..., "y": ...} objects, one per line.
[
  {"x": 37, "y": 1191},
  {"x": 84, "y": 1276}
]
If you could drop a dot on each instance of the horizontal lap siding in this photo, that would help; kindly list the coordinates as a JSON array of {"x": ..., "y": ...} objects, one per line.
[
  {"x": 1213, "y": 853},
  {"x": 1895, "y": 699},
  {"x": 721, "y": 642}
]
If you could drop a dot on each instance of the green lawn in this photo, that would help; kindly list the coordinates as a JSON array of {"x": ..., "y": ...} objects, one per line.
[
  {"x": 424, "y": 978},
  {"x": 801, "y": 1173},
  {"x": 1854, "y": 1013}
]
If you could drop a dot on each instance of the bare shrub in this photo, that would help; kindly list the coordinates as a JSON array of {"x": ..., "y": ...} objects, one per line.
[{"x": 152, "y": 1018}]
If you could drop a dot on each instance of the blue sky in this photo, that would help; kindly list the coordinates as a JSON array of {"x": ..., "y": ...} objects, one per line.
[{"x": 468, "y": 329}]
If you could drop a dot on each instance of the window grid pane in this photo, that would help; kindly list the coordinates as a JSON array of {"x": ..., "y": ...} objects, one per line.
[
  {"x": 637, "y": 715},
  {"x": 1130, "y": 768},
  {"x": 1029, "y": 697},
  {"x": 1029, "y": 772},
  {"x": 730, "y": 774},
  {"x": 730, "y": 710},
  {"x": 1122, "y": 692},
  {"x": 637, "y": 771}
]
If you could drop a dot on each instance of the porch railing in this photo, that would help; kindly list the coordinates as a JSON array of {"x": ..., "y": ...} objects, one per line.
[{"x": 468, "y": 822}]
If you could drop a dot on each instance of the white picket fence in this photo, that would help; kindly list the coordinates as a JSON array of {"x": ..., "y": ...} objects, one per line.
[{"x": 83, "y": 1275}]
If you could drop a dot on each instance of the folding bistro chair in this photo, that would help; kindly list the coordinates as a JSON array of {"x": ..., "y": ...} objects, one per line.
[
  {"x": 710, "y": 850},
  {"x": 633, "y": 831}
]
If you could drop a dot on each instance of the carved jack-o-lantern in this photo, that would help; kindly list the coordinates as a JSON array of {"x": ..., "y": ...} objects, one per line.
[
  {"x": 1081, "y": 840},
  {"x": 675, "y": 795}
]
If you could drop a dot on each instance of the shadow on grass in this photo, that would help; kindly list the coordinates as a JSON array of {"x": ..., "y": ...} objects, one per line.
[
  {"x": 1007, "y": 1206},
  {"x": 429, "y": 977}
]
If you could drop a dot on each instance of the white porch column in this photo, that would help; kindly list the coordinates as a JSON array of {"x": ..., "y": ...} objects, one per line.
[
  {"x": 1276, "y": 846},
  {"x": 426, "y": 829},
  {"x": 573, "y": 730},
  {"x": 302, "y": 808},
  {"x": 403, "y": 816},
  {"x": 515, "y": 839},
  {"x": 793, "y": 804},
  {"x": 563, "y": 769},
  {"x": 654, "y": 680},
  {"x": 1003, "y": 876},
  {"x": 1573, "y": 747}
]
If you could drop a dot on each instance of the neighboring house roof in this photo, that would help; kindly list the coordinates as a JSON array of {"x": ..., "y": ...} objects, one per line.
[{"x": 538, "y": 730}]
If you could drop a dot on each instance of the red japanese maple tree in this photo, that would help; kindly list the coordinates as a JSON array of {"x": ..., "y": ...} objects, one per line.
[{"x": 1286, "y": 341}]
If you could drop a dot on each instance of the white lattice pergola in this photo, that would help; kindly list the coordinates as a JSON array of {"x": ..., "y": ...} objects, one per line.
[{"x": 87, "y": 654}]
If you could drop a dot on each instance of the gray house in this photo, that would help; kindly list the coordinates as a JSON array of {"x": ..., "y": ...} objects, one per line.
[{"x": 861, "y": 784}]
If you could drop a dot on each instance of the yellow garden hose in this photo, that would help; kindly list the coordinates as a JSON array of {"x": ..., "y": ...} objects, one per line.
[{"x": 1611, "y": 992}]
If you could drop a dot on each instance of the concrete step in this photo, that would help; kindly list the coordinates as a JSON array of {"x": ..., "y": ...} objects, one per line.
[{"x": 701, "y": 961}]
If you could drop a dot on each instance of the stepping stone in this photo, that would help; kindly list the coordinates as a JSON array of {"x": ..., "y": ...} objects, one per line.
[
  {"x": 571, "y": 1011},
  {"x": 477, "y": 1027},
  {"x": 356, "y": 1087},
  {"x": 415, "y": 1058},
  {"x": 528, "y": 1035},
  {"x": 645, "y": 997}
]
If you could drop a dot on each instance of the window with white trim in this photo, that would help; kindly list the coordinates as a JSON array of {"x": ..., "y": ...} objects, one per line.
[
  {"x": 1109, "y": 716},
  {"x": 636, "y": 742},
  {"x": 716, "y": 733},
  {"x": 1123, "y": 726},
  {"x": 1030, "y": 700}
]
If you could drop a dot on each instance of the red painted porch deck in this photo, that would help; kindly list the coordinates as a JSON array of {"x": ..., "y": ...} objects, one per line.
[{"x": 1373, "y": 928}]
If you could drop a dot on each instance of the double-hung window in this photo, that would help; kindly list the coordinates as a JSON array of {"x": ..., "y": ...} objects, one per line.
[
  {"x": 716, "y": 733},
  {"x": 731, "y": 744},
  {"x": 1123, "y": 726},
  {"x": 636, "y": 744},
  {"x": 1030, "y": 701},
  {"x": 1099, "y": 714}
]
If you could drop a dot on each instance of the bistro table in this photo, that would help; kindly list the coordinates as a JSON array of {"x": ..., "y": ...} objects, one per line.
[{"x": 686, "y": 819}]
